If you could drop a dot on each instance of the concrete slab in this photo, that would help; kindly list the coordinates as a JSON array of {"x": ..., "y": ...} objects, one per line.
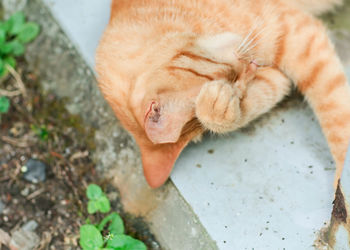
[
  {"x": 268, "y": 186},
  {"x": 83, "y": 21}
]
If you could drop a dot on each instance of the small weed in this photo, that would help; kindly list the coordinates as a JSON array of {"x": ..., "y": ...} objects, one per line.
[
  {"x": 41, "y": 131},
  {"x": 14, "y": 34},
  {"x": 90, "y": 235}
]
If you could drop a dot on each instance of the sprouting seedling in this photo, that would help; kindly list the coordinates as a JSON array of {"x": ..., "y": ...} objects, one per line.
[
  {"x": 98, "y": 201},
  {"x": 40, "y": 131},
  {"x": 14, "y": 34},
  {"x": 91, "y": 237}
]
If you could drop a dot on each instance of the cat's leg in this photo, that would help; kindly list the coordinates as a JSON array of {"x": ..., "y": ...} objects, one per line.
[
  {"x": 307, "y": 56},
  {"x": 222, "y": 106}
]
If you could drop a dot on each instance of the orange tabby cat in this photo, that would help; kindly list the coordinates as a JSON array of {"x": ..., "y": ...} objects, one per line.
[{"x": 173, "y": 69}]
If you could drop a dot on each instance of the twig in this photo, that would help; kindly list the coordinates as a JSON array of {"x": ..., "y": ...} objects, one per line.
[
  {"x": 14, "y": 142},
  {"x": 15, "y": 173},
  {"x": 46, "y": 239},
  {"x": 6, "y": 178},
  {"x": 35, "y": 193},
  {"x": 79, "y": 155},
  {"x": 10, "y": 93},
  {"x": 18, "y": 79}
]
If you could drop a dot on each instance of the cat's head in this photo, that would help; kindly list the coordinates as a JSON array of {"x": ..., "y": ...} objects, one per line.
[{"x": 152, "y": 85}]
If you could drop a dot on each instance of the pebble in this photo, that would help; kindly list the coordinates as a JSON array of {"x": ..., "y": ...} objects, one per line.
[
  {"x": 25, "y": 192},
  {"x": 25, "y": 238},
  {"x": 34, "y": 171},
  {"x": 112, "y": 196},
  {"x": 30, "y": 225},
  {"x": 2, "y": 207}
]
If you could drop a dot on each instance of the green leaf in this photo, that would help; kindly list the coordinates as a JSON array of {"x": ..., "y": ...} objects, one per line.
[
  {"x": 6, "y": 48},
  {"x": 3, "y": 70},
  {"x": 44, "y": 134},
  {"x": 92, "y": 207},
  {"x": 116, "y": 225},
  {"x": 41, "y": 131},
  {"x": 125, "y": 242},
  {"x": 14, "y": 47},
  {"x": 16, "y": 22},
  {"x": 5, "y": 26},
  {"x": 2, "y": 37},
  {"x": 2, "y": 64},
  {"x": 103, "y": 204},
  {"x": 28, "y": 32},
  {"x": 17, "y": 48},
  {"x": 10, "y": 61},
  {"x": 4, "y": 104},
  {"x": 90, "y": 238},
  {"x": 94, "y": 192}
]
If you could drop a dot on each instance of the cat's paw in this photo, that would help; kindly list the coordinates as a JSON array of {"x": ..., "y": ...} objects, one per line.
[{"x": 218, "y": 106}]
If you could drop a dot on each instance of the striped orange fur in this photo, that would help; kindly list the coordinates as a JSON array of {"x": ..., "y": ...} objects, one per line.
[{"x": 174, "y": 69}]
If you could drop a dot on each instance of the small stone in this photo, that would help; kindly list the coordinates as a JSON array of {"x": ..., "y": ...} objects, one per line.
[
  {"x": 24, "y": 240},
  {"x": 2, "y": 207},
  {"x": 25, "y": 192},
  {"x": 30, "y": 225},
  {"x": 112, "y": 196},
  {"x": 17, "y": 129},
  {"x": 34, "y": 171}
]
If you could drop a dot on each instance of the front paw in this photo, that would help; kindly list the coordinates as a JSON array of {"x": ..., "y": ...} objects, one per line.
[{"x": 218, "y": 106}]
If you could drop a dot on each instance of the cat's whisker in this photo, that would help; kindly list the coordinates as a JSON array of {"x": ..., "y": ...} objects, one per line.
[
  {"x": 253, "y": 28},
  {"x": 250, "y": 46},
  {"x": 244, "y": 40},
  {"x": 247, "y": 42},
  {"x": 246, "y": 47}
]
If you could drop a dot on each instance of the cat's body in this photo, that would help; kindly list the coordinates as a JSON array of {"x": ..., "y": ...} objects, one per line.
[{"x": 173, "y": 69}]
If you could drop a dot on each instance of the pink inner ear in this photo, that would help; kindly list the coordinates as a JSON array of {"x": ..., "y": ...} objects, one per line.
[{"x": 162, "y": 126}]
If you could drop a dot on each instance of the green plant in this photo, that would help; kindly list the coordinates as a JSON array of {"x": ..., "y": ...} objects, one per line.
[
  {"x": 4, "y": 105},
  {"x": 41, "y": 131},
  {"x": 91, "y": 235},
  {"x": 14, "y": 34}
]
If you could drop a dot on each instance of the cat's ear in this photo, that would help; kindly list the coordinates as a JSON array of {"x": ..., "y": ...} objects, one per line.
[
  {"x": 222, "y": 46},
  {"x": 164, "y": 123},
  {"x": 158, "y": 161}
]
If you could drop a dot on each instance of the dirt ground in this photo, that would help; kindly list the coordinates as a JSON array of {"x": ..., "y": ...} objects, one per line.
[{"x": 38, "y": 127}]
